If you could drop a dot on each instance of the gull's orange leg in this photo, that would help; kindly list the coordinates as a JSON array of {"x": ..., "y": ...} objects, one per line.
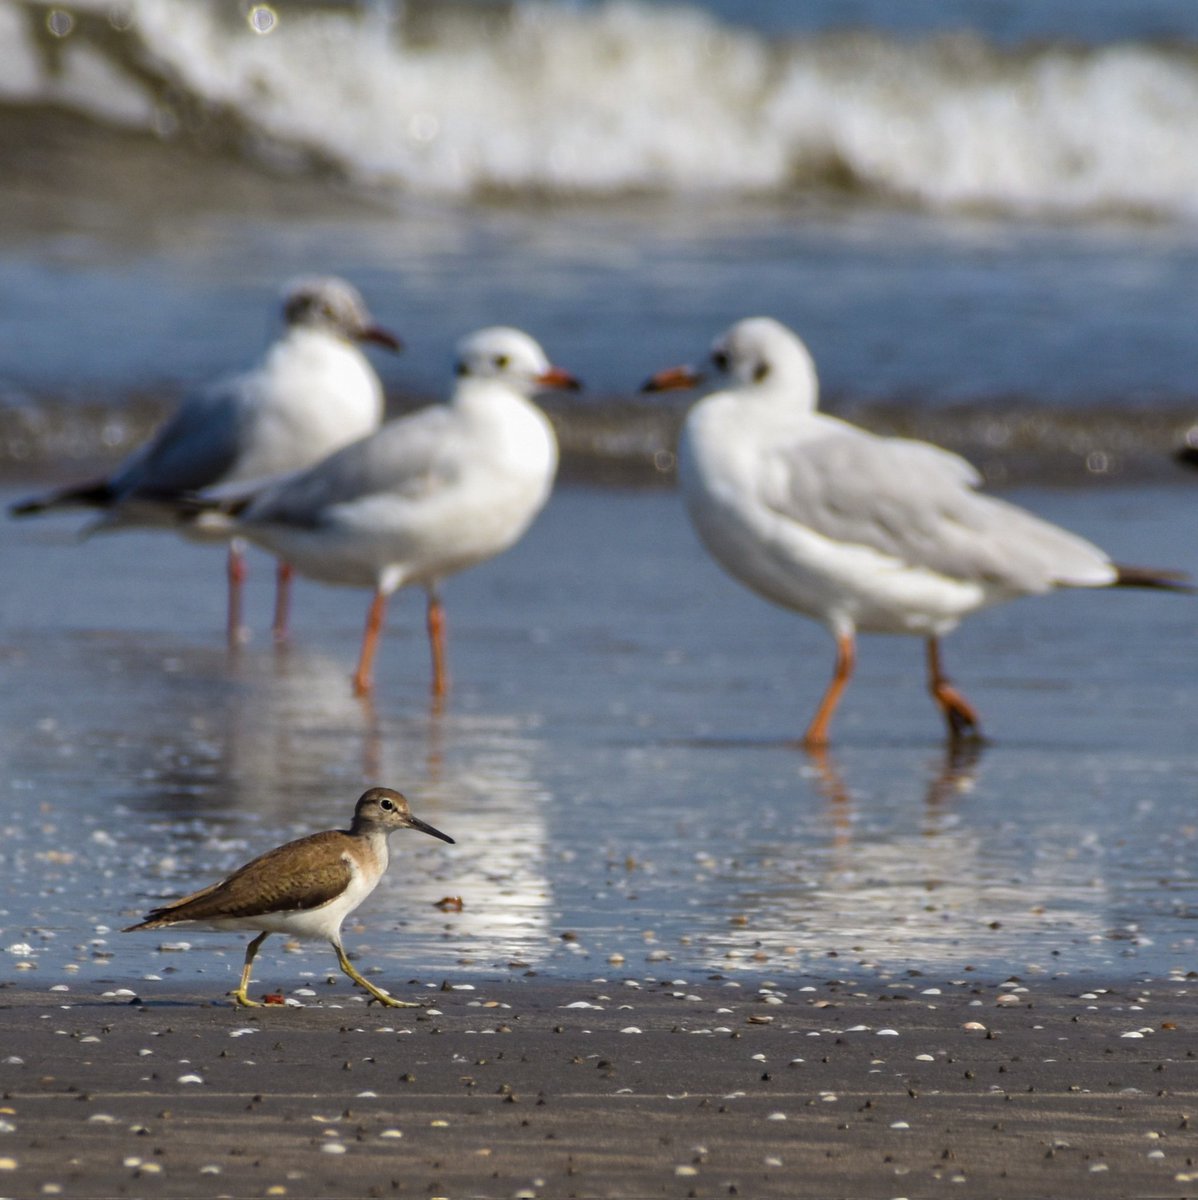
[
  {"x": 436, "y": 641},
  {"x": 236, "y": 572},
  {"x": 283, "y": 577},
  {"x": 363, "y": 684},
  {"x": 846, "y": 657},
  {"x": 963, "y": 721}
]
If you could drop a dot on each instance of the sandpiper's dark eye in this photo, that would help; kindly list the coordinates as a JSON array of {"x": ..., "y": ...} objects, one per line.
[
  {"x": 386, "y": 805},
  {"x": 761, "y": 371},
  {"x": 720, "y": 360},
  {"x": 502, "y": 361}
]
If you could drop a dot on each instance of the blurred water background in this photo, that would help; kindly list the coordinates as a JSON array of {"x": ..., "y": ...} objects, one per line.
[
  {"x": 981, "y": 214},
  {"x": 983, "y": 217}
]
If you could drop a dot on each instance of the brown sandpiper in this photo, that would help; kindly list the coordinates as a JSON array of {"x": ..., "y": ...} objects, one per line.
[{"x": 304, "y": 888}]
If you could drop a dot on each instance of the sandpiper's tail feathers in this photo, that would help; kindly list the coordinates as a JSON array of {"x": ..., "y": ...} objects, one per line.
[
  {"x": 151, "y": 922},
  {"x": 96, "y": 494},
  {"x": 1150, "y": 577},
  {"x": 173, "y": 912}
]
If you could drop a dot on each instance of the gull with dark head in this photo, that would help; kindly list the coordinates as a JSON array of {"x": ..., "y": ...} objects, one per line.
[
  {"x": 426, "y": 496},
  {"x": 312, "y": 393},
  {"x": 863, "y": 533},
  {"x": 304, "y": 889}
]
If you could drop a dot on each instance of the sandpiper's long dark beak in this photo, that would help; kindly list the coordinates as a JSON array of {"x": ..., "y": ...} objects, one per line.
[
  {"x": 673, "y": 379},
  {"x": 380, "y": 337},
  {"x": 425, "y": 827},
  {"x": 555, "y": 377}
]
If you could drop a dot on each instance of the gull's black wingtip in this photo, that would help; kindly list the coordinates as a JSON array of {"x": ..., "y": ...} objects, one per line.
[{"x": 1149, "y": 577}]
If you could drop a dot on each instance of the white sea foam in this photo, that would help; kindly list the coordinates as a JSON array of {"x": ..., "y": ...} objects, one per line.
[{"x": 628, "y": 97}]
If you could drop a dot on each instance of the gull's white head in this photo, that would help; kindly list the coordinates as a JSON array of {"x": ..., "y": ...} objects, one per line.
[
  {"x": 760, "y": 357},
  {"x": 761, "y": 353},
  {"x": 506, "y": 354},
  {"x": 333, "y": 306}
]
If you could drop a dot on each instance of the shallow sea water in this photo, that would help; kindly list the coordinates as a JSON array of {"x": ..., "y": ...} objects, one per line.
[{"x": 615, "y": 762}]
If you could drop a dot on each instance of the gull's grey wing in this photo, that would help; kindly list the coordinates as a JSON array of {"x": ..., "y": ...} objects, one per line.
[
  {"x": 196, "y": 448},
  {"x": 916, "y": 503},
  {"x": 405, "y": 458}
]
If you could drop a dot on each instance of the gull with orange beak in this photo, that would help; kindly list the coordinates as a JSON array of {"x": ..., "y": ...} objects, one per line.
[
  {"x": 862, "y": 533},
  {"x": 426, "y": 496}
]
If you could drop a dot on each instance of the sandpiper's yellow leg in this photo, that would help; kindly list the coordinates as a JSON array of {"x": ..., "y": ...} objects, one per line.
[
  {"x": 381, "y": 997},
  {"x": 241, "y": 996}
]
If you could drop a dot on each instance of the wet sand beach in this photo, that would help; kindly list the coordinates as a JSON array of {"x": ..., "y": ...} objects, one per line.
[
  {"x": 615, "y": 1088},
  {"x": 616, "y": 762}
]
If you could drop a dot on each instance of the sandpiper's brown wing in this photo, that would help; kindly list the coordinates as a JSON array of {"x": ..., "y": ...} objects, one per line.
[{"x": 300, "y": 875}]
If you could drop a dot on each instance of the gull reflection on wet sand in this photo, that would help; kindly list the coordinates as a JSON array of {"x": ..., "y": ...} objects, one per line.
[
  {"x": 950, "y": 777},
  {"x": 927, "y": 892}
]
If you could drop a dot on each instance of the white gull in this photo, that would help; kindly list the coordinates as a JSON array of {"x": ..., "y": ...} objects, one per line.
[
  {"x": 313, "y": 392},
  {"x": 863, "y": 533}
]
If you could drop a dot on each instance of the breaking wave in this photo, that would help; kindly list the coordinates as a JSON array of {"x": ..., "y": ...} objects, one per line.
[{"x": 623, "y": 98}]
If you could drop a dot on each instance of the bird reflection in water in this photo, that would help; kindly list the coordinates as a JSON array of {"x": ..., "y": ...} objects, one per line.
[
  {"x": 952, "y": 774},
  {"x": 863, "y": 878}
]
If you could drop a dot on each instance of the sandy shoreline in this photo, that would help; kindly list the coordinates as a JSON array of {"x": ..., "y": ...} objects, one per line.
[{"x": 536, "y": 1088}]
